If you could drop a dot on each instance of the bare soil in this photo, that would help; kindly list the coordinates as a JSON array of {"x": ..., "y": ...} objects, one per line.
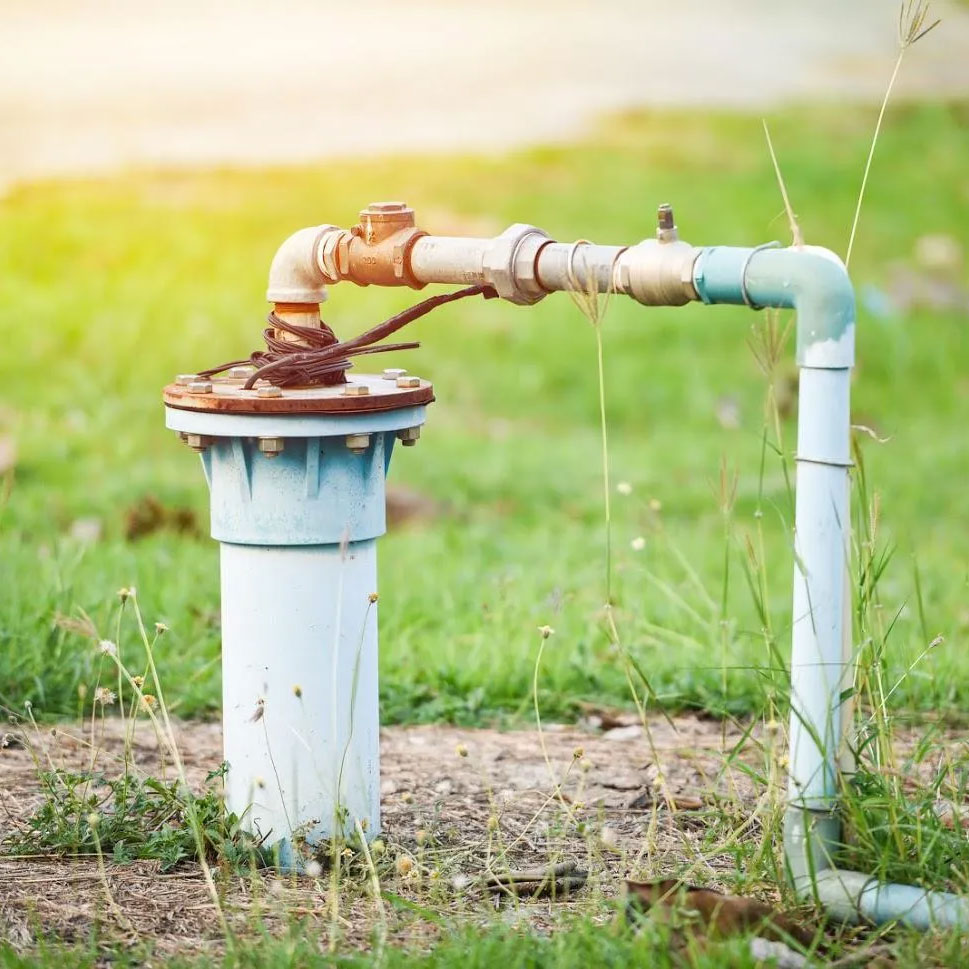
[{"x": 614, "y": 818}]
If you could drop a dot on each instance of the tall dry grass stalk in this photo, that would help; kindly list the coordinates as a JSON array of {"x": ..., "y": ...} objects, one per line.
[{"x": 911, "y": 29}]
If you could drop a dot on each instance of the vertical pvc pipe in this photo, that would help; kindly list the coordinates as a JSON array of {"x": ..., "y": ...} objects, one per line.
[
  {"x": 816, "y": 284},
  {"x": 299, "y": 683},
  {"x": 821, "y": 530}
]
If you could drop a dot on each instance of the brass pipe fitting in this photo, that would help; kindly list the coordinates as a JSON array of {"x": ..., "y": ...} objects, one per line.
[{"x": 376, "y": 251}]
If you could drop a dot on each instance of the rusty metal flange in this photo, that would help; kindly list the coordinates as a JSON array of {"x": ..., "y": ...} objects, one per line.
[{"x": 364, "y": 393}]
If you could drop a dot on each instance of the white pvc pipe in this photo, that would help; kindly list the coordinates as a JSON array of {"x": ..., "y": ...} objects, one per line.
[
  {"x": 299, "y": 647},
  {"x": 822, "y": 529}
]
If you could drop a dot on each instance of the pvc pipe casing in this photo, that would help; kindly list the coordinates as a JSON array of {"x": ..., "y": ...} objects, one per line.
[
  {"x": 299, "y": 682},
  {"x": 299, "y": 620}
]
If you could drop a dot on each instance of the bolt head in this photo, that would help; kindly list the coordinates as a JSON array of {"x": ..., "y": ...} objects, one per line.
[
  {"x": 356, "y": 390},
  {"x": 198, "y": 442},
  {"x": 408, "y": 382},
  {"x": 272, "y": 446},
  {"x": 392, "y": 373},
  {"x": 240, "y": 373},
  {"x": 269, "y": 390},
  {"x": 358, "y": 443},
  {"x": 184, "y": 379},
  {"x": 200, "y": 387}
]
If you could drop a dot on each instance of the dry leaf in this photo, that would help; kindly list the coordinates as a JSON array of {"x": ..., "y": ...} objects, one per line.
[{"x": 720, "y": 915}]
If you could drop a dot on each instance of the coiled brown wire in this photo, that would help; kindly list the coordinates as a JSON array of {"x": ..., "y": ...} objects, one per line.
[{"x": 320, "y": 359}]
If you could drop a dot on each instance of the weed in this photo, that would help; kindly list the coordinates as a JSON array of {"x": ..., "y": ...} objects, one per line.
[{"x": 132, "y": 818}]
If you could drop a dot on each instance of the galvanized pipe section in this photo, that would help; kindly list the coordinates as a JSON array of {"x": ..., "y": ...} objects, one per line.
[
  {"x": 579, "y": 265},
  {"x": 522, "y": 263},
  {"x": 449, "y": 259}
]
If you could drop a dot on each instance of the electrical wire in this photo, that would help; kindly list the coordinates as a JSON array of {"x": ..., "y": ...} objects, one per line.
[{"x": 320, "y": 359}]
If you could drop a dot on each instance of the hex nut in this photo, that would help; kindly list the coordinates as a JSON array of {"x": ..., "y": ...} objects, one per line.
[
  {"x": 198, "y": 442},
  {"x": 240, "y": 373},
  {"x": 405, "y": 382},
  {"x": 409, "y": 436},
  {"x": 356, "y": 390},
  {"x": 184, "y": 379},
  {"x": 200, "y": 387},
  {"x": 392, "y": 373},
  {"x": 269, "y": 390},
  {"x": 272, "y": 446},
  {"x": 358, "y": 443}
]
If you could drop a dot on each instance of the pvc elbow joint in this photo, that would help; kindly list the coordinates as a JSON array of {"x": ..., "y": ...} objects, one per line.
[{"x": 809, "y": 279}]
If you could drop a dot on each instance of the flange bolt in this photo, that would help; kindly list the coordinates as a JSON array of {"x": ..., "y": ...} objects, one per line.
[
  {"x": 409, "y": 436},
  {"x": 356, "y": 390},
  {"x": 240, "y": 373},
  {"x": 184, "y": 379},
  {"x": 272, "y": 446},
  {"x": 408, "y": 382},
  {"x": 358, "y": 443},
  {"x": 393, "y": 373},
  {"x": 198, "y": 442},
  {"x": 200, "y": 387},
  {"x": 270, "y": 390}
]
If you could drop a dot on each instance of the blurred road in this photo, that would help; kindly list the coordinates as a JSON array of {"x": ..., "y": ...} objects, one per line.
[{"x": 89, "y": 85}]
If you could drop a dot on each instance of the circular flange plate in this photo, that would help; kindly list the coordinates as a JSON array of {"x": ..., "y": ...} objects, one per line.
[{"x": 228, "y": 397}]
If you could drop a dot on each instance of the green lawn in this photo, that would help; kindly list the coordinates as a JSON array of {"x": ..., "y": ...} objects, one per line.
[{"x": 108, "y": 287}]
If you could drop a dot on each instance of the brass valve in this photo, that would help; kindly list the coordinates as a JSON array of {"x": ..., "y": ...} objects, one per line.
[{"x": 376, "y": 250}]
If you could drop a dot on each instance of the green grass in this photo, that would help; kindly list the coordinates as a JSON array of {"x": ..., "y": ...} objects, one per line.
[
  {"x": 585, "y": 944},
  {"x": 108, "y": 287}
]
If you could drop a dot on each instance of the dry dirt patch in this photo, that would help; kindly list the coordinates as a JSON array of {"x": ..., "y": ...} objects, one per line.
[{"x": 613, "y": 819}]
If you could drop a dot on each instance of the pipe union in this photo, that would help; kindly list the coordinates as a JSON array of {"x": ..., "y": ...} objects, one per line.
[{"x": 509, "y": 263}]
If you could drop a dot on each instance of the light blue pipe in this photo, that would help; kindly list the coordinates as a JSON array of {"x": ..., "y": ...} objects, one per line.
[
  {"x": 814, "y": 282},
  {"x": 809, "y": 279}
]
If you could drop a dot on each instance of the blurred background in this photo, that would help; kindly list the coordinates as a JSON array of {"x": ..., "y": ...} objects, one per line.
[
  {"x": 152, "y": 158},
  {"x": 97, "y": 85}
]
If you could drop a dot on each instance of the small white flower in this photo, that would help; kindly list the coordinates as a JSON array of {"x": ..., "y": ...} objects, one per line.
[
  {"x": 638, "y": 543},
  {"x": 546, "y": 631},
  {"x": 161, "y": 628},
  {"x": 104, "y": 696},
  {"x": 624, "y": 488},
  {"x": 107, "y": 648},
  {"x": 314, "y": 869}
]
